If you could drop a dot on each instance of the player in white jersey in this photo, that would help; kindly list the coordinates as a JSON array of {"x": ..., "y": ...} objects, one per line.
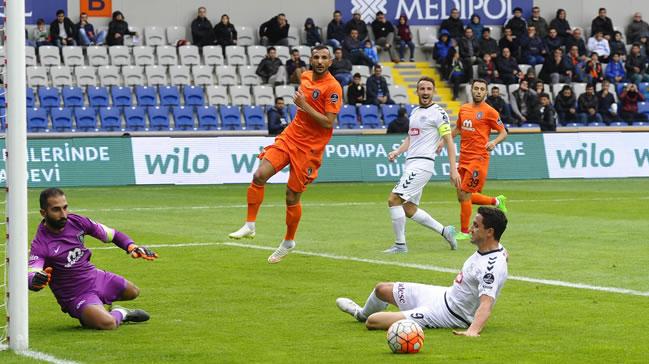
[
  {"x": 466, "y": 304},
  {"x": 429, "y": 125}
]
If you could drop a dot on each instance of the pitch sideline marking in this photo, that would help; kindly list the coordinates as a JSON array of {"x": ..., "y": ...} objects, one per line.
[
  {"x": 547, "y": 282},
  {"x": 39, "y": 356}
]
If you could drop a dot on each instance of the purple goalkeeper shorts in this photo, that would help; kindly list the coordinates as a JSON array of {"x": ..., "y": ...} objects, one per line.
[{"x": 108, "y": 288}]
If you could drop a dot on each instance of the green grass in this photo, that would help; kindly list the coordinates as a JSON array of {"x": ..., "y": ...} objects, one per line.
[{"x": 221, "y": 303}]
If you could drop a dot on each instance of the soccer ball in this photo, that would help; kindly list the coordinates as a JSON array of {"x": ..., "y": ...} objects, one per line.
[{"x": 405, "y": 337}]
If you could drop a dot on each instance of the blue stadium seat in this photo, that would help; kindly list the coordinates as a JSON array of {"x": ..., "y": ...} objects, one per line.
[
  {"x": 86, "y": 118},
  {"x": 643, "y": 87},
  {"x": 3, "y": 117},
  {"x": 409, "y": 108},
  {"x": 183, "y": 118},
  {"x": 30, "y": 97},
  {"x": 640, "y": 123},
  {"x": 292, "y": 110},
  {"x": 390, "y": 113},
  {"x": 98, "y": 96},
  {"x": 230, "y": 117},
  {"x": 347, "y": 118},
  {"x": 618, "y": 123},
  {"x": 572, "y": 125},
  {"x": 207, "y": 118},
  {"x": 369, "y": 116},
  {"x": 37, "y": 120},
  {"x": 597, "y": 124},
  {"x": 61, "y": 119},
  {"x": 121, "y": 96},
  {"x": 254, "y": 117},
  {"x": 193, "y": 96},
  {"x": 169, "y": 96},
  {"x": 158, "y": 118},
  {"x": 111, "y": 118},
  {"x": 3, "y": 93},
  {"x": 532, "y": 125},
  {"x": 145, "y": 95},
  {"x": 643, "y": 107},
  {"x": 135, "y": 118},
  {"x": 620, "y": 86},
  {"x": 49, "y": 97},
  {"x": 72, "y": 96}
]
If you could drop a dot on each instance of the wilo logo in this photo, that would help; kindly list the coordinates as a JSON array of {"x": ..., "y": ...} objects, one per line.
[
  {"x": 587, "y": 156},
  {"x": 179, "y": 161}
]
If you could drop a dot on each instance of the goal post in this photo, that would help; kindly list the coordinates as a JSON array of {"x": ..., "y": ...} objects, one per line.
[{"x": 16, "y": 166}]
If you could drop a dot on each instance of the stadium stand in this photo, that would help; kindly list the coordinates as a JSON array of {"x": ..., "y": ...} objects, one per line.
[
  {"x": 135, "y": 118},
  {"x": 183, "y": 118},
  {"x": 85, "y": 119},
  {"x": 207, "y": 118}
]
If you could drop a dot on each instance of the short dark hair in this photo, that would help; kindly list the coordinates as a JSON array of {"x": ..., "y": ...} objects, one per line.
[
  {"x": 600, "y": 9},
  {"x": 47, "y": 193},
  {"x": 319, "y": 48},
  {"x": 426, "y": 78},
  {"x": 357, "y": 75},
  {"x": 40, "y": 21},
  {"x": 379, "y": 13},
  {"x": 295, "y": 50},
  {"x": 279, "y": 99},
  {"x": 589, "y": 85},
  {"x": 337, "y": 12},
  {"x": 478, "y": 80},
  {"x": 493, "y": 218},
  {"x": 83, "y": 13},
  {"x": 270, "y": 49},
  {"x": 338, "y": 49},
  {"x": 281, "y": 14},
  {"x": 378, "y": 65},
  {"x": 543, "y": 94},
  {"x": 495, "y": 88},
  {"x": 59, "y": 12},
  {"x": 517, "y": 9}
]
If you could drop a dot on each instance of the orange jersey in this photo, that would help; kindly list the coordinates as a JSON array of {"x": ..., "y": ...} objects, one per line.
[
  {"x": 324, "y": 95},
  {"x": 475, "y": 123}
]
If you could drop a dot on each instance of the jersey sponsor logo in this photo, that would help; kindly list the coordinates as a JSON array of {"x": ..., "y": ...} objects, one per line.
[
  {"x": 413, "y": 131},
  {"x": 459, "y": 278},
  {"x": 316, "y": 94},
  {"x": 467, "y": 125},
  {"x": 488, "y": 278},
  {"x": 334, "y": 98},
  {"x": 56, "y": 251},
  {"x": 479, "y": 115},
  {"x": 400, "y": 293},
  {"x": 74, "y": 256}
]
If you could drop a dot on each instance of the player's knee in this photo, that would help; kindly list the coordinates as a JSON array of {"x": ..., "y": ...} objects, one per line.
[
  {"x": 373, "y": 322},
  {"x": 292, "y": 198},
  {"x": 131, "y": 292},
  {"x": 394, "y": 200},
  {"x": 259, "y": 178},
  {"x": 104, "y": 322},
  {"x": 383, "y": 291}
]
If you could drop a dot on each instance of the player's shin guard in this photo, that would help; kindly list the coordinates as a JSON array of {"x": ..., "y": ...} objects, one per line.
[
  {"x": 423, "y": 218},
  {"x": 480, "y": 199},
  {"x": 398, "y": 224},
  {"x": 465, "y": 215},
  {"x": 372, "y": 305},
  {"x": 255, "y": 197},
  {"x": 293, "y": 215}
]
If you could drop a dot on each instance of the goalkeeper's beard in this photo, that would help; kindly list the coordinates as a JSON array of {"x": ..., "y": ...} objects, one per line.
[{"x": 56, "y": 224}]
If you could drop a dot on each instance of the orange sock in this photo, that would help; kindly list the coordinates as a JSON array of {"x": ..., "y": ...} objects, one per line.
[
  {"x": 293, "y": 215},
  {"x": 465, "y": 215},
  {"x": 480, "y": 199},
  {"x": 255, "y": 198}
]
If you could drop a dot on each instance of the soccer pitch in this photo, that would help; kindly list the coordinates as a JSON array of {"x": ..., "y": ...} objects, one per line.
[{"x": 214, "y": 300}]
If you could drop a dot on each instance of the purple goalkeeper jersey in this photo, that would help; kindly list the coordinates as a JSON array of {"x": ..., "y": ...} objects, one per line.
[{"x": 66, "y": 253}]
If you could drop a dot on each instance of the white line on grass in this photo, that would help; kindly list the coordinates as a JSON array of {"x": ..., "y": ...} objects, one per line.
[
  {"x": 39, "y": 356},
  {"x": 547, "y": 282}
]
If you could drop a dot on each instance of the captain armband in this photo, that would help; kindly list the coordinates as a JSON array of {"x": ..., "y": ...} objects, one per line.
[{"x": 444, "y": 129}]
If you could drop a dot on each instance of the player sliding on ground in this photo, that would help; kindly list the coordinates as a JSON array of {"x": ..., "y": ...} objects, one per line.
[
  {"x": 474, "y": 124},
  {"x": 429, "y": 125},
  {"x": 301, "y": 145},
  {"x": 467, "y": 304},
  {"x": 60, "y": 259}
]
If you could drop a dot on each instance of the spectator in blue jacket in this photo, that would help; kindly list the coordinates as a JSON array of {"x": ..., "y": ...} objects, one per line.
[
  {"x": 440, "y": 50},
  {"x": 532, "y": 47},
  {"x": 277, "y": 117},
  {"x": 313, "y": 35},
  {"x": 370, "y": 51},
  {"x": 615, "y": 70},
  {"x": 476, "y": 25}
]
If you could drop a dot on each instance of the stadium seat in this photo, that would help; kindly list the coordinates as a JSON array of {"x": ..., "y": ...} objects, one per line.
[
  {"x": 254, "y": 117},
  {"x": 109, "y": 76},
  {"x": 3, "y": 97},
  {"x": 643, "y": 107},
  {"x": 363, "y": 70},
  {"x": 30, "y": 56},
  {"x": 263, "y": 95},
  {"x": 156, "y": 75},
  {"x": 533, "y": 125},
  {"x": 579, "y": 88},
  {"x": 121, "y": 96},
  {"x": 409, "y": 108},
  {"x": 369, "y": 115},
  {"x": 283, "y": 53},
  {"x": 640, "y": 123},
  {"x": 167, "y": 55},
  {"x": 49, "y": 97},
  {"x": 86, "y": 119},
  {"x": 98, "y": 96},
  {"x": 158, "y": 118},
  {"x": 202, "y": 75},
  {"x": 37, "y": 76},
  {"x": 643, "y": 87},
  {"x": 130, "y": 40},
  {"x": 189, "y": 55},
  {"x": 235, "y": 55},
  {"x": 169, "y": 96},
  {"x": 213, "y": 55},
  {"x": 569, "y": 125},
  {"x": 619, "y": 87},
  {"x": 292, "y": 110},
  {"x": 175, "y": 33},
  {"x": 286, "y": 92},
  {"x": 179, "y": 75},
  {"x": 133, "y": 75},
  {"x": 29, "y": 96},
  {"x": 49, "y": 55},
  {"x": 37, "y": 120},
  {"x": 390, "y": 113},
  {"x": 398, "y": 94},
  {"x": 143, "y": 55},
  {"x": 193, "y": 95},
  {"x": 154, "y": 36},
  {"x": 207, "y": 118},
  {"x": 183, "y": 118},
  {"x": 240, "y": 95},
  {"x": 226, "y": 75},
  {"x": 619, "y": 123},
  {"x": 145, "y": 95},
  {"x": 256, "y": 53},
  {"x": 61, "y": 76},
  {"x": 347, "y": 118},
  {"x": 97, "y": 55},
  {"x": 111, "y": 118},
  {"x": 387, "y": 73},
  {"x": 119, "y": 55},
  {"x": 72, "y": 96},
  {"x": 135, "y": 117},
  {"x": 596, "y": 124},
  {"x": 86, "y": 75},
  {"x": 73, "y": 56},
  {"x": 246, "y": 36},
  {"x": 62, "y": 119},
  {"x": 217, "y": 95},
  {"x": 249, "y": 76},
  {"x": 427, "y": 38},
  {"x": 3, "y": 118},
  {"x": 293, "y": 37},
  {"x": 230, "y": 117}
]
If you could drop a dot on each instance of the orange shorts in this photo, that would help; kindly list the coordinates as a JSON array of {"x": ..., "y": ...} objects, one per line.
[
  {"x": 473, "y": 175},
  {"x": 304, "y": 165}
]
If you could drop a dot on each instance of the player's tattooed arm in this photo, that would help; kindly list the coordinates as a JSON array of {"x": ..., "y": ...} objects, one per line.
[{"x": 481, "y": 317}]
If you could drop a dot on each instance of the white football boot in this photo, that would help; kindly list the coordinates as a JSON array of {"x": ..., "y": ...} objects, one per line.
[
  {"x": 244, "y": 233},
  {"x": 350, "y": 307}
]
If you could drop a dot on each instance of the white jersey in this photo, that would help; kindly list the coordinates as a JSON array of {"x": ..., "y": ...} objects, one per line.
[
  {"x": 482, "y": 274},
  {"x": 427, "y": 126}
]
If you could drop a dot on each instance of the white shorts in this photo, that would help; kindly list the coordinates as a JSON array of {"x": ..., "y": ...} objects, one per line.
[
  {"x": 426, "y": 305},
  {"x": 415, "y": 177}
]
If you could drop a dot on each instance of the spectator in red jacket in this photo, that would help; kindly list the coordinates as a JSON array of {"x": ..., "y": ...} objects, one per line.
[
  {"x": 630, "y": 98},
  {"x": 405, "y": 39}
]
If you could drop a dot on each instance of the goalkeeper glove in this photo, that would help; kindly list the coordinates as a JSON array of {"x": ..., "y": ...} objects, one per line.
[
  {"x": 41, "y": 279},
  {"x": 141, "y": 252}
]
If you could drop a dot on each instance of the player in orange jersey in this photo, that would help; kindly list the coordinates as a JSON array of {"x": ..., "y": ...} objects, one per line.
[
  {"x": 474, "y": 124},
  {"x": 301, "y": 145}
]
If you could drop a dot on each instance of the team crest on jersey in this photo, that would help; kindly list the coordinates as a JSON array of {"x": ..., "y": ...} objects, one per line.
[
  {"x": 333, "y": 98},
  {"x": 479, "y": 115},
  {"x": 488, "y": 278},
  {"x": 316, "y": 94}
]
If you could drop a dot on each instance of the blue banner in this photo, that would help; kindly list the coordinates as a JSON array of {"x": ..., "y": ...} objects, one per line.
[
  {"x": 433, "y": 12},
  {"x": 35, "y": 9}
]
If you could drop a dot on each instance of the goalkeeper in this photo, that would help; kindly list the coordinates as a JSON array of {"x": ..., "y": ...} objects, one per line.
[{"x": 60, "y": 259}]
